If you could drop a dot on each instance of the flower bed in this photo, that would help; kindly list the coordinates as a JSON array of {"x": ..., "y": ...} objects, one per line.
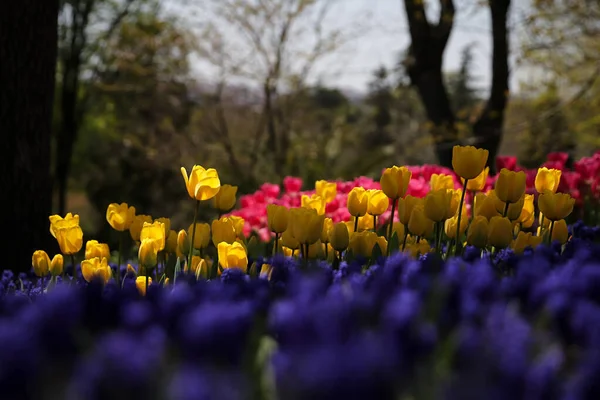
[{"x": 470, "y": 293}]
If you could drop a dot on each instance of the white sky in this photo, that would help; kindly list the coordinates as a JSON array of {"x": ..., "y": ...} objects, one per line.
[{"x": 352, "y": 67}]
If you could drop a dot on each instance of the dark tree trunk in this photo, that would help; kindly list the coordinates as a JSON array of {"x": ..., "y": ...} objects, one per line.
[
  {"x": 428, "y": 42},
  {"x": 28, "y": 42},
  {"x": 488, "y": 128}
]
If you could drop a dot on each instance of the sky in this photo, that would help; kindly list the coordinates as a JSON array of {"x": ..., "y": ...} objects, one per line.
[
  {"x": 390, "y": 35},
  {"x": 352, "y": 66}
]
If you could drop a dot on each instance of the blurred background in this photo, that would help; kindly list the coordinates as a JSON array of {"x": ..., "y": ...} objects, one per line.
[{"x": 320, "y": 89}]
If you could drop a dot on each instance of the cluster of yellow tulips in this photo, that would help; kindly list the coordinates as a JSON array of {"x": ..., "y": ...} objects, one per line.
[{"x": 499, "y": 218}]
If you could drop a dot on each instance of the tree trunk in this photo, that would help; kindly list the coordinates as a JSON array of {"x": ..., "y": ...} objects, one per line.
[
  {"x": 28, "y": 45},
  {"x": 488, "y": 128},
  {"x": 428, "y": 42}
]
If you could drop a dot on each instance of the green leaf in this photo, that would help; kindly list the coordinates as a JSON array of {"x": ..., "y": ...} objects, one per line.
[
  {"x": 376, "y": 253},
  {"x": 394, "y": 243},
  {"x": 177, "y": 270}
]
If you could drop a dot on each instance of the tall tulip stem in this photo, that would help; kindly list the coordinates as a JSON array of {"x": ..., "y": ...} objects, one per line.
[
  {"x": 391, "y": 227},
  {"x": 356, "y": 224},
  {"x": 460, "y": 207},
  {"x": 189, "y": 260}
]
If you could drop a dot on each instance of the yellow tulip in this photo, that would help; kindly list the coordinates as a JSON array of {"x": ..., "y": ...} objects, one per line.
[
  {"x": 69, "y": 238},
  {"x": 307, "y": 224},
  {"x": 120, "y": 216},
  {"x": 378, "y": 202},
  {"x": 485, "y": 206},
  {"x": 155, "y": 231},
  {"x": 223, "y": 230},
  {"x": 365, "y": 223},
  {"x": 468, "y": 161},
  {"x": 201, "y": 184},
  {"x": 202, "y": 237},
  {"x": 555, "y": 206},
  {"x": 339, "y": 236},
  {"x": 450, "y": 226},
  {"x": 96, "y": 267},
  {"x": 527, "y": 212},
  {"x": 510, "y": 185},
  {"x": 515, "y": 209},
  {"x": 266, "y": 270},
  {"x": 327, "y": 225},
  {"x": 478, "y": 232},
  {"x": 316, "y": 250},
  {"x": 478, "y": 183},
  {"x": 415, "y": 249},
  {"x": 140, "y": 284},
  {"x": 148, "y": 252},
  {"x": 500, "y": 232},
  {"x": 327, "y": 190},
  {"x": 57, "y": 221},
  {"x": 441, "y": 181},
  {"x": 398, "y": 229},
  {"x": 166, "y": 224},
  {"x": 315, "y": 202},
  {"x": 394, "y": 182},
  {"x": 183, "y": 244},
  {"x": 362, "y": 243},
  {"x": 524, "y": 240},
  {"x": 437, "y": 204},
  {"x": 40, "y": 261},
  {"x": 547, "y": 179},
  {"x": 225, "y": 199},
  {"x": 238, "y": 225},
  {"x": 171, "y": 244},
  {"x": 95, "y": 249},
  {"x": 232, "y": 256},
  {"x": 288, "y": 240},
  {"x": 136, "y": 226},
  {"x": 277, "y": 218},
  {"x": 358, "y": 202},
  {"x": 560, "y": 232},
  {"x": 197, "y": 267},
  {"x": 419, "y": 224},
  {"x": 57, "y": 265},
  {"x": 405, "y": 207}
]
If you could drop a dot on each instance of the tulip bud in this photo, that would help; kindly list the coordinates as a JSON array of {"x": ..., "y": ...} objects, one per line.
[
  {"x": 441, "y": 181},
  {"x": 223, "y": 230},
  {"x": 500, "y": 232},
  {"x": 225, "y": 198},
  {"x": 450, "y": 226},
  {"x": 183, "y": 244},
  {"x": 202, "y": 235},
  {"x": 555, "y": 206},
  {"x": 358, "y": 202},
  {"x": 315, "y": 202},
  {"x": 148, "y": 252},
  {"x": 232, "y": 256},
  {"x": 405, "y": 207},
  {"x": 288, "y": 240},
  {"x": 394, "y": 182},
  {"x": 327, "y": 225},
  {"x": 57, "y": 265},
  {"x": 510, "y": 185},
  {"x": 378, "y": 202},
  {"x": 560, "y": 232},
  {"x": 277, "y": 218},
  {"x": 136, "y": 226},
  {"x": 547, "y": 180},
  {"x": 468, "y": 161},
  {"x": 202, "y": 184},
  {"x": 339, "y": 236},
  {"x": 120, "y": 216},
  {"x": 478, "y": 232},
  {"x": 327, "y": 190},
  {"x": 419, "y": 224},
  {"x": 40, "y": 261},
  {"x": 140, "y": 284}
]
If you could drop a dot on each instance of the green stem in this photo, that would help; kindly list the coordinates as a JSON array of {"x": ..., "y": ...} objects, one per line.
[
  {"x": 189, "y": 260},
  {"x": 374, "y": 223},
  {"x": 356, "y": 224},
  {"x": 405, "y": 237},
  {"x": 460, "y": 207},
  {"x": 275, "y": 247},
  {"x": 542, "y": 225},
  {"x": 118, "y": 269},
  {"x": 391, "y": 227},
  {"x": 550, "y": 235},
  {"x": 73, "y": 265},
  {"x": 146, "y": 292},
  {"x": 326, "y": 251},
  {"x": 505, "y": 213}
]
